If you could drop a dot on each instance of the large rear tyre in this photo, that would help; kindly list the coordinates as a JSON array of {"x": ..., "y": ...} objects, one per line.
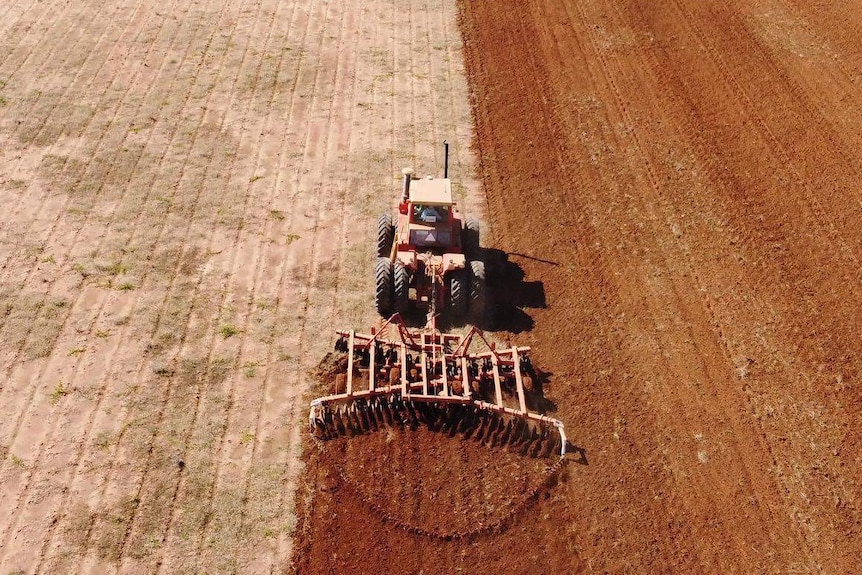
[
  {"x": 383, "y": 287},
  {"x": 458, "y": 293},
  {"x": 470, "y": 238},
  {"x": 478, "y": 291},
  {"x": 385, "y": 235},
  {"x": 401, "y": 293}
]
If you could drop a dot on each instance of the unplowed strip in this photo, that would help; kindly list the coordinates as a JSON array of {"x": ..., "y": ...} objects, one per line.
[{"x": 190, "y": 190}]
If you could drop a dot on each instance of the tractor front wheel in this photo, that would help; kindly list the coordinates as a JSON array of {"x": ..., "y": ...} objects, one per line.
[
  {"x": 385, "y": 235},
  {"x": 383, "y": 287}
]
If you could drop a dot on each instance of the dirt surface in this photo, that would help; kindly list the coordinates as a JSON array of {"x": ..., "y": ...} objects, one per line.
[
  {"x": 682, "y": 178},
  {"x": 695, "y": 161},
  {"x": 189, "y": 190}
]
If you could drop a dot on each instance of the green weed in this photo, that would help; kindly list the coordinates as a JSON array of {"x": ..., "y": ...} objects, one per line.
[
  {"x": 228, "y": 330},
  {"x": 60, "y": 391},
  {"x": 250, "y": 369}
]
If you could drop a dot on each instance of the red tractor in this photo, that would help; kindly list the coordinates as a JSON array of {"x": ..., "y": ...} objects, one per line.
[{"x": 428, "y": 256}]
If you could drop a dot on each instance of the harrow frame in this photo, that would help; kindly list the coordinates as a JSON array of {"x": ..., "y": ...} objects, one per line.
[{"x": 444, "y": 372}]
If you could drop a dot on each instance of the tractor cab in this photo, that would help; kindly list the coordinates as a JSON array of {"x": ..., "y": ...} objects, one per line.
[{"x": 430, "y": 215}]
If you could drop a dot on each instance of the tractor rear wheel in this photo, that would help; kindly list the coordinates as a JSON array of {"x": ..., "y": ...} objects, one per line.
[
  {"x": 383, "y": 287},
  {"x": 401, "y": 280},
  {"x": 470, "y": 237},
  {"x": 458, "y": 293},
  {"x": 385, "y": 235},
  {"x": 478, "y": 291}
]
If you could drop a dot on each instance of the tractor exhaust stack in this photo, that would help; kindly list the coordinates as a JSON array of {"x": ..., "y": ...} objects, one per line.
[
  {"x": 405, "y": 193},
  {"x": 445, "y": 158}
]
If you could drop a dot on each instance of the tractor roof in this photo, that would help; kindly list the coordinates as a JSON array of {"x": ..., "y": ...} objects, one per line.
[{"x": 436, "y": 192}]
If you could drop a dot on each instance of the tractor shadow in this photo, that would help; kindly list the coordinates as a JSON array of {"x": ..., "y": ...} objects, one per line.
[
  {"x": 417, "y": 319},
  {"x": 509, "y": 295}
]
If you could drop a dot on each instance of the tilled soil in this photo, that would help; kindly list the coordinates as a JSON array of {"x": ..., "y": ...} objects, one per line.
[
  {"x": 444, "y": 494},
  {"x": 401, "y": 501},
  {"x": 681, "y": 177}
]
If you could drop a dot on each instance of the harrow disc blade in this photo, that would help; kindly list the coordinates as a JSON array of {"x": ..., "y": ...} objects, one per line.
[
  {"x": 342, "y": 422},
  {"x": 386, "y": 412}
]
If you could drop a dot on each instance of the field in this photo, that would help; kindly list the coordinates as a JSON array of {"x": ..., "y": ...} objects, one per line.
[
  {"x": 189, "y": 189},
  {"x": 188, "y": 192},
  {"x": 682, "y": 178},
  {"x": 697, "y": 162}
]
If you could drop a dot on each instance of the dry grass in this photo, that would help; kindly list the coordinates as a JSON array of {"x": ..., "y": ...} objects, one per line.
[{"x": 197, "y": 262}]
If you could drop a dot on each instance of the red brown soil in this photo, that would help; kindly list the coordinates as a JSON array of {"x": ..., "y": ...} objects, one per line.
[
  {"x": 423, "y": 481},
  {"x": 691, "y": 173},
  {"x": 455, "y": 489}
]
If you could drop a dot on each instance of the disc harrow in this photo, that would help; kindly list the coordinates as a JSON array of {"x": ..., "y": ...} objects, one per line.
[{"x": 432, "y": 379}]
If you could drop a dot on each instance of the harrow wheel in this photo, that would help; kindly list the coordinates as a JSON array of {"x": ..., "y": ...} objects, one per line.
[
  {"x": 383, "y": 286},
  {"x": 385, "y": 235},
  {"x": 401, "y": 293}
]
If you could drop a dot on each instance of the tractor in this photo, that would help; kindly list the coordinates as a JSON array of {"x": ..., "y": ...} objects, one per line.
[{"x": 428, "y": 254}]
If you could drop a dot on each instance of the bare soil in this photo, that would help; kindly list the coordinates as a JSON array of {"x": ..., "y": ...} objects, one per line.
[{"x": 681, "y": 177}]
